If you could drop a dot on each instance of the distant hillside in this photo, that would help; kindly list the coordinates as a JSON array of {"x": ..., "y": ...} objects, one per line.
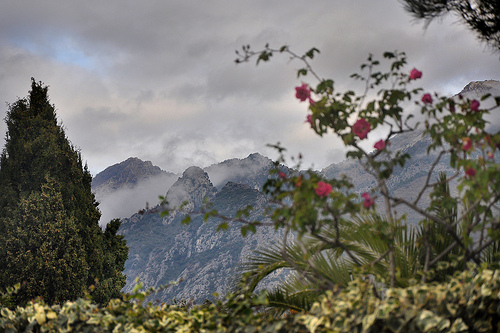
[{"x": 405, "y": 182}]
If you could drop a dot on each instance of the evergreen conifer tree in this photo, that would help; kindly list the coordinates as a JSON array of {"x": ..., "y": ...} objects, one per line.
[{"x": 50, "y": 238}]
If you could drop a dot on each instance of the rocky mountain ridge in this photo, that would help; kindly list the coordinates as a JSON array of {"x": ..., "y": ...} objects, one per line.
[
  {"x": 127, "y": 173},
  {"x": 200, "y": 259}
]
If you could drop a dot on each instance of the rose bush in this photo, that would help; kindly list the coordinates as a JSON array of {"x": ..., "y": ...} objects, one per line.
[{"x": 457, "y": 132}]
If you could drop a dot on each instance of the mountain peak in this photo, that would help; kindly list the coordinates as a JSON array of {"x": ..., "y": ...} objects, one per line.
[
  {"x": 252, "y": 170},
  {"x": 193, "y": 186},
  {"x": 194, "y": 172},
  {"x": 127, "y": 173},
  {"x": 481, "y": 86}
]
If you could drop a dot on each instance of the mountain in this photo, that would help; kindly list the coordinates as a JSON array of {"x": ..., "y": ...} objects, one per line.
[
  {"x": 252, "y": 170},
  {"x": 126, "y": 187},
  {"x": 125, "y": 174},
  {"x": 194, "y": 187},
  {"x": 477, "y": 89},
  {"x": 163, "y": 250}
]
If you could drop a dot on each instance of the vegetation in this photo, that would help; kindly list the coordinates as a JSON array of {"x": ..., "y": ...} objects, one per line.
[
  {"x": 468, "y": 302},
  {"x": 340, "y": 233},
  {"x": 50, "y": 239}
]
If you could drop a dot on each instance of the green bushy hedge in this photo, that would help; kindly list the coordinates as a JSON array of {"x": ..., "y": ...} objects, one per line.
[{"x": 469, "y": 302}]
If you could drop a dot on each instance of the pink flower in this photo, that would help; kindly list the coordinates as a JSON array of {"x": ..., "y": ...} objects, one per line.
[
  {"x": 415, "y": 74},
  {"x": 379, "y": 145},
  {"x": 361, "y": 128},
  {"x": 303, "y": 92},
  {"x": 309, "y": 120},
  {"x": 282, "y": 175},
  {"x": 323, "y": 189},
  {"x": 466, "y": 144},
  {"x": 470, "y": 172},
  {"x": 427, "y": 99},
  {"x": 368, "y": 200},
  {"x": 474, "y": 105}
]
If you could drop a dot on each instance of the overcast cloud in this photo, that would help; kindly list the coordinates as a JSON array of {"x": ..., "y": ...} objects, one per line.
[{"x": 156, "y": 79}]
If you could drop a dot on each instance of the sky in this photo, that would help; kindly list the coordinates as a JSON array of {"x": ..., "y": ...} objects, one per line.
[{"x": 157, "y": 79}]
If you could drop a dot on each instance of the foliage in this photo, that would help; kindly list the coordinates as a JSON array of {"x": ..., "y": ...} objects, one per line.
[
  {"x": 342, "y": 234},
  {"x": 50, "y": 239},
  {"x": 481, "y": 16},
  {"x": 468, "y": 302},
  {"x": 349, "y": 244}
]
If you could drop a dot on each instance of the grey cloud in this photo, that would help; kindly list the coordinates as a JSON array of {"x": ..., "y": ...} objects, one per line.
[
  {"x": 156, "y": 79},
  {"x": 127, "y": 201}
]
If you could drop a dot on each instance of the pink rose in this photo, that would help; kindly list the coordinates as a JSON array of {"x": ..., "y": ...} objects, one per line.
[
  {"x": 470, "y": 172},
  {"x": 361, "y": 128},
  {"x": 379, "y": 145},
  {"x": 474, "y": 105},
  {"x": 323, "y": 189},
  {"x": 415, "y": 74},
  {"x": 466, "y": 144},
  {"x": 427, "y": 99},
  {"x": 368, "y": 200},
  {"x": 303, "y": 92}
]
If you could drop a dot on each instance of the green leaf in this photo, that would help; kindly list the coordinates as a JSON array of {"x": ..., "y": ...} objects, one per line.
[
  {"x": 222, "y": 226},
  {"x": 186, "y": 219},
  {"x": 310, "y": 53},
  {"x": 302, "y": 72}
]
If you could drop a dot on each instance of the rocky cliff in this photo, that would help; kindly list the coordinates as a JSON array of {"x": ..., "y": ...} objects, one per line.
[{"x": 200, "y": 259}]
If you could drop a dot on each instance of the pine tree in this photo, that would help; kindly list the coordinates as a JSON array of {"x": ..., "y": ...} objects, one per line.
[
  {"x": 481, "y": 16},
  {"x": 49, "y": 230}
]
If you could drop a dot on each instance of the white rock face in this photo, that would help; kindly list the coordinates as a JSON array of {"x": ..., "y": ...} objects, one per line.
[
  {"x": 194, "y": 187},
  {"x": 205, "y": 261}
]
